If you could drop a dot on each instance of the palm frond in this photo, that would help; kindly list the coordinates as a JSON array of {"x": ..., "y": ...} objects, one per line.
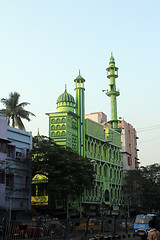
[{"x": 15, "y": 110}]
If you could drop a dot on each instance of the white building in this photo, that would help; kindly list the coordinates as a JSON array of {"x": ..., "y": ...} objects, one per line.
[{"x": 15, "y": 170}]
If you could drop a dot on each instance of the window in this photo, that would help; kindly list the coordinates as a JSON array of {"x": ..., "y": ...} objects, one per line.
[
  {"x": 53, "y": 127},
  {"x": 58, "y": 127},
  {"x": 18, "y": 154},
  {"x": 104, "y": 152},
  {"x": 58, "y": 120},
  {"x": 3, "y": 147},
  {"x": 106, "y": 195},
  {"x": 53, "y": 134},
  {"x": 100, "y": 150},
  {"x": 105, "y": 171},
  {"x": 58, "y": 134},
  {"x": 63, "y": 133},
  {"x": 11, "y": 151},
  {"x": 53, "y": 121},
  {"x": 89, "y": 146},
  {"x": 2, "y": 177},
  {"x": 9, "y": 180},
  {"x": 100, "y": 170},
  {"x": 63, "y": 120},
  {"x": 129, "y": 161}
]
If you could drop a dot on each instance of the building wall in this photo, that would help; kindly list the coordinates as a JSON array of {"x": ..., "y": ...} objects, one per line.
[
  {"x": 129, "y": 147},
  {"x": 63, "y": 127},
  {"x": 103, "y": 148},
  {"x": 99, "y": 117},
  {"x": 16, "y": 188}
]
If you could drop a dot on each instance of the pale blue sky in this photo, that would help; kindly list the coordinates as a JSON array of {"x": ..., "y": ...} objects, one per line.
[{"x": 44, "y": 43}]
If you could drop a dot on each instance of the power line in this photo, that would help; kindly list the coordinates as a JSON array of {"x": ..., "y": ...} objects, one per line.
[
  {"x": 150, "y": 128},
  {"x": 149, "y": 140}
]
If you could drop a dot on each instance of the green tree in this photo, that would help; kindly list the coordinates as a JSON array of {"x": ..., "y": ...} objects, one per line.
[
  {"x": 68, "y": 173},
  {"x": 142, "y": 187},
  {"x": 15, "y": 111}
]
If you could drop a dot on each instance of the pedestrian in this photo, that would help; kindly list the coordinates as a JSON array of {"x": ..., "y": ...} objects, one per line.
[{"x": 153, "y": 234}]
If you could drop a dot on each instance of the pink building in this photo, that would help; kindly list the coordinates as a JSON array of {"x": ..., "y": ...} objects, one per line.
[
  {"x": 99, "y": 117},
  {"x": 129, "y": 147},
  {"x": 128, "y": 141}
]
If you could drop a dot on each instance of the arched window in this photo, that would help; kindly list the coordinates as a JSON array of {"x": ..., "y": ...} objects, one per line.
[
  {"x": 53, "y": 127},
  {"x": 53, "y": 120},
  {"x": 104, "y": 152},
  {"x": 100, "y": 149},
  {"x": 106, "y": 195},
  {"x": 63, "y": 133},
  {"x": 58, "y": 120},
  {"x": 63, "y": 120},
  {"x": 100, "y": 170},
  {"x": 58, "y": 127},
  {"x": 92, "y": 147},
  {"x": 89, "y": 146},
  {"x": 58, "y": 134},
  {"x": 95, "y": 169},
  {"x": 105, "y": 171},
  {"x": 53, "y": 134},
  {"x": 110, "y": 172}
]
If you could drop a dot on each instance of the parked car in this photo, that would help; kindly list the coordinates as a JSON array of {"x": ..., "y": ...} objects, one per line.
[
  {"x": 93, "y": 225},
  {"x": 26, "y": 230}
]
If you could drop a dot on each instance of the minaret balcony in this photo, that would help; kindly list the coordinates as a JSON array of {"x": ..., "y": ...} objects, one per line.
[
  {"x": 110, "y": 93},
  {"x": 112, "y": 75}
]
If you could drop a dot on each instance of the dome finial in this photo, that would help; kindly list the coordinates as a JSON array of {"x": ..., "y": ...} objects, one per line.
[
  {"x": 111, "y": 54},
  {"x": 79, "y": 72},
  {"x": 65, "y": 88}
]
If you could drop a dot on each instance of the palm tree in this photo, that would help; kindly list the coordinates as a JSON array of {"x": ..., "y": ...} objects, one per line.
[{"x": 15, "y": 111}]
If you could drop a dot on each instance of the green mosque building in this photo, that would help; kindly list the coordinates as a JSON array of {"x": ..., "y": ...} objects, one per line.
[{"x": 100, "y": 142}]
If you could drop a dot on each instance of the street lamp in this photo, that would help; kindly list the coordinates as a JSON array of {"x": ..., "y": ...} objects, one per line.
[{"x": 10, "y": 198}]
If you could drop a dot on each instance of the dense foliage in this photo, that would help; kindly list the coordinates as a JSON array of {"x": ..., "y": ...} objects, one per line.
[
  {"x": 67, "y": 172},
  {"x": 142, "y": 188}
]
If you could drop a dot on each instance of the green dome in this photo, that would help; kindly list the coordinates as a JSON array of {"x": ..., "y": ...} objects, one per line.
[
  {"x": 65, "y": 102},
  {"x": 65, "y": 97}
]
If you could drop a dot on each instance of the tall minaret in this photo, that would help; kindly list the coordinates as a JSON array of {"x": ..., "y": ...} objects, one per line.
[
  {"x": 112, "y": 74},
  {"x": 80, "y": 110}
]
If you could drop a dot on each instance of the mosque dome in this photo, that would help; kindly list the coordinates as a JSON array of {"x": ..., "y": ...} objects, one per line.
[
  {"x": 65, "y": 102},
  {"x": 65, "y": 97}
]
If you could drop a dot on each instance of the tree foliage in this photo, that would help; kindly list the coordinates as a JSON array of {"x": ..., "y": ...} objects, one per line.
[
  {"x": 142, "y": 187},
  {"x": 67, "y": 171},
  {"x": 15, "y": 111}
]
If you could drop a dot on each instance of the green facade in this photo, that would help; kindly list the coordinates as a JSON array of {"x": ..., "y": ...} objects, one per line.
[{"x": 99, "y": 142}]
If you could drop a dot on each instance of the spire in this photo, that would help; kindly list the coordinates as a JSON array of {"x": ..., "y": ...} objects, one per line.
[
  {"x": 38, "y": 133},
  {"x": 112, "y": 74},
  {"x": 65, "y": 88}
]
